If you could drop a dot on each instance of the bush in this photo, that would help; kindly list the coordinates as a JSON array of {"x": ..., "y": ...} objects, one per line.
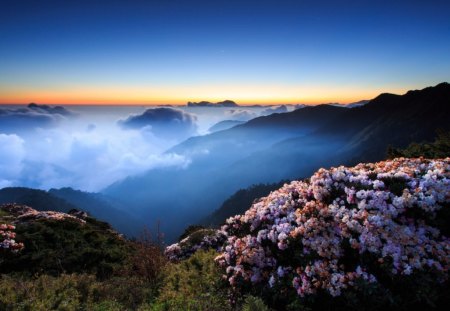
[
  {"x": 113, "y": 273},
  {"x": 67, "y": 292},
  {"x": 65, "y": 246},
  {"x": 74, "y": 292},
  {"x": 254, "y": 304},
  {"x": 366, "y": 237},
  {"x": 440, "y": 148},
  {"x": 194, "y": 284},
  {"x": 146, "y": 259}
]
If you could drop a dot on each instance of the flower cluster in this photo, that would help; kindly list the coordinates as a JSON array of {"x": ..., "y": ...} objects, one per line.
[
  {"x": 342, "y": 227},
  {"x": 24, "y": 214},
  {"x": 51, "y": 215},
  {"x": 8, "y": 235},
  {"x": 200, "y": 239}
]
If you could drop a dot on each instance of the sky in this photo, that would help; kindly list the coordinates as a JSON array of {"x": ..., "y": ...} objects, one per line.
[{"x": 253, "y": 52}]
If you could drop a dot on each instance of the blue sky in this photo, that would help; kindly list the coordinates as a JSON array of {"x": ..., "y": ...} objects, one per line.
[{"x": 250, "y": 51}]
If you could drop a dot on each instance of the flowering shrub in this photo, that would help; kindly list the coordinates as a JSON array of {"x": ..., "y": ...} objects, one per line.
[
  {"x": 344, "y": 229},
  {"x": 24, "y": 214},
  {"x": 202, "y": 239},
  {"x": 57, "y": 243},
  {"x": 8, "y": 235}
]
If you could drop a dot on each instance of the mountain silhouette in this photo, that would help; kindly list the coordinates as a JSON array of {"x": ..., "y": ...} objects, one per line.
[
  {"x": 225, "y": 103},
  {"x": 278, "y": 147}
]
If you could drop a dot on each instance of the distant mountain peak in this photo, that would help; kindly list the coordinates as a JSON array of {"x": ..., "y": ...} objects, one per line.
[
  {"x": 225, "y": 103},
  {"x": 443, "y": 84}
]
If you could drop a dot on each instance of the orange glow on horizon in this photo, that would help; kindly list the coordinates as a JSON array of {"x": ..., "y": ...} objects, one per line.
[{"x": 242, "y": 95}]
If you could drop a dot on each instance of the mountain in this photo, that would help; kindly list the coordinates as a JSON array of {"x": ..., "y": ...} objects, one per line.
[
  {"x": 102, "y": 207},
  {"x": 277, "y": 147},
  {"x": 224, "y": 125},
  {"x": 225, "y": 103},
  {"x": 41, "y": 200},
  {"x": 67, "y": 199}
]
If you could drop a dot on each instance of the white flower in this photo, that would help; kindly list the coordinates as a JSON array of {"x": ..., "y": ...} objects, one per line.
[{"x": 316, "y": 229}]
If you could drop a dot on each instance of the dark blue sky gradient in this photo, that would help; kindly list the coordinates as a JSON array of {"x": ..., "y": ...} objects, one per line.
[{"x": 65, "y": 46}]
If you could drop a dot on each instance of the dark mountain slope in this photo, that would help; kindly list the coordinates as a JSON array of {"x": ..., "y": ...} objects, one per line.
[
  {"x": 258, "y": 134},
  {"x": 224, "y": 125},
  {"x": 101, "y": 207},
  {"x": 281, "y": 146},
  {"x": 393, "y": 120},
  {"x": 39, "y": 199}
]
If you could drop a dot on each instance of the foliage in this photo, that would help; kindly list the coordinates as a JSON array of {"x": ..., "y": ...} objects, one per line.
[
  {"x": 440, "y": 148},
  {"x": 201, "y": 239},
  {"x": 254, "y": 304},
  {"x": 55, "y": 247},
  {"x": 189, "y": 230},
  {"x": 72, "y": 292},
  {"x": 111, "y": 273},
  {"x": 194, "y": 284},
  {"x": 8, "y": 244},
  {"x": 46, "y": 292},
  {"x": 310, "y": 245},
  {"x": 351, "y": 237},
  {"x": 146, "y": 260}
]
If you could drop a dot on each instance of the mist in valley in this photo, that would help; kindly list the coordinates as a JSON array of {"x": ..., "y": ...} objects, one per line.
[{"x": 90, "y": 148}]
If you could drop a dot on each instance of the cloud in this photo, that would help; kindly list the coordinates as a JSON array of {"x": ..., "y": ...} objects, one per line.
[
  {"x": 240, "y": 114},
  {"x": 91, "y": 127},
  {"x": 279, "y": 109},
  {"x": 45, "y": 147},
  {"x": 246, "y": 114},
  {"x": 20, "y": 120},
  {"x": 12, "y": 154},
  {"x": 87, "y": 160},
  {"x": 90, "y": 151},
  {"x": 163, "y": 122},
  {"x": 45, "y": 109}
]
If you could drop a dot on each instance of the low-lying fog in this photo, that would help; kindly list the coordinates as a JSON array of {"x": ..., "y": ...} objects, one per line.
[{"x": 91, "y": 147}]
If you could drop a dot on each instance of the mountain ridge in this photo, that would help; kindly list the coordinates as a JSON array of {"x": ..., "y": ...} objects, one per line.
[
  {"x": 66, "y": 199},
  {"x": 225, "y": 103},
  {"x": 283, "y": 146}
]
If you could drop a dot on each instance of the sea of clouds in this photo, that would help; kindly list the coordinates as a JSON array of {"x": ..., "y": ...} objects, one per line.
[{"x": 90, "y": 147}]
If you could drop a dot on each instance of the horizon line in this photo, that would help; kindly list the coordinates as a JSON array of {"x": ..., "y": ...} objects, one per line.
[{"x": 243, "y": 102}]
